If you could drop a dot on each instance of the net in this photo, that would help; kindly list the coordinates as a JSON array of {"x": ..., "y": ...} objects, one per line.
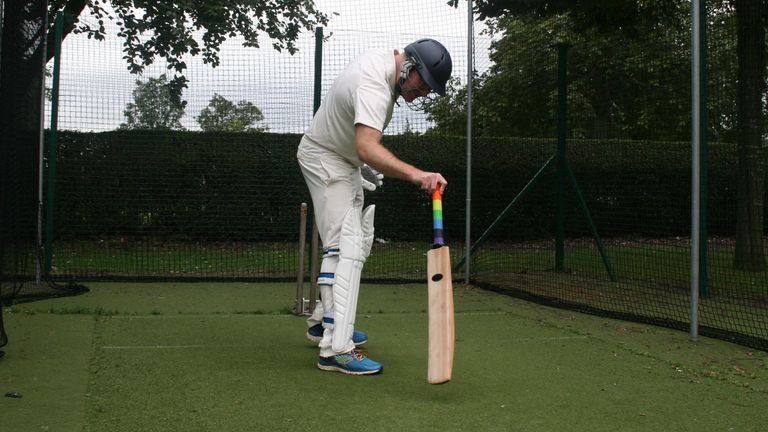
[
  {"x": 610, "y": 232},
  {"x": 580, "y": 193},
  {"x": 142, "y": 199},
  {"x": 21, "y": 93}
]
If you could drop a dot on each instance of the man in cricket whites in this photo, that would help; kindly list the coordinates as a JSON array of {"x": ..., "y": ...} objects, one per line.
[{"x": 339, "y": 155}]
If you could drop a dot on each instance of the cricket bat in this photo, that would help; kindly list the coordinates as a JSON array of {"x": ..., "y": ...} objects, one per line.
[{"x": 440, "y": 296}]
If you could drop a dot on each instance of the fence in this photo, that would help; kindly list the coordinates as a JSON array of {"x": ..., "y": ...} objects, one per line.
[
  {"x": 604, "y": 227},
  {"x": 629, "y": 153}
]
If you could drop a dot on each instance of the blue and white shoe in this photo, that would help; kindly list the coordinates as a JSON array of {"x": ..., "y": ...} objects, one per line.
[
  {"x": 353, "y": 363},
  {"x": 315, "y": 334}
]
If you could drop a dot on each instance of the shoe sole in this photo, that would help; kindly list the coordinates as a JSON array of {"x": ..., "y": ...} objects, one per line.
[
  {"x": 316, "y": 339},
  {"x": 347, "y": 371}
]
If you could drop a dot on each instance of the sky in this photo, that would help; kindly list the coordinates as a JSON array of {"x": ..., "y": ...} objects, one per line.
[{"x": 95, "y": 85}]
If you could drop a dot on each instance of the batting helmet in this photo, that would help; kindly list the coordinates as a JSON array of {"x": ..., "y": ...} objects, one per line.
[{"x": 433, "y": 62}]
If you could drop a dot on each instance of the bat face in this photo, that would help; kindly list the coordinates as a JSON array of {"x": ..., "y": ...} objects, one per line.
[
  {"x": 441, "y": 321},
  {"x": 440, "y": 293}
]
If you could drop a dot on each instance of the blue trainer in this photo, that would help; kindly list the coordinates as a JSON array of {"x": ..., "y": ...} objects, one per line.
[
  {"x": 315, "y": 333},
  {"x": 353, "y": 363}
]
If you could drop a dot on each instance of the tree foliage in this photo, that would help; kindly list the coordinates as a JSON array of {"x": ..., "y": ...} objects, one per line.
[
  {"x": 169, "y": 29},
  {"x": 639, "y": 95},
  {"x": 223, "y": 115},
  {"x": 752, "y": 16},
  {"x": 153, "y": 107},
  {"x": 628, "y": 16},
  {"x": 612, "y": 77},
  {"x": 510, "y": 98}
]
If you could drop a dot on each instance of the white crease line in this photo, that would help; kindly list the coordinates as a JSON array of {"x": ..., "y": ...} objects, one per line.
[
  {"x": 161, "y": 347},
  {"x": 549, "y": 338},
  {"x": 149, "y": 347},
  {"x": 130, "y": 317}
]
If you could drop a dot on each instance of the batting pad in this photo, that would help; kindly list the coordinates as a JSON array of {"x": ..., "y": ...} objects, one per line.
[{"x": 355, "y": 246}]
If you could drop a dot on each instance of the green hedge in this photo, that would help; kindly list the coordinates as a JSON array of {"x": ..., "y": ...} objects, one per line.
[{"x": 247, "y": 187}]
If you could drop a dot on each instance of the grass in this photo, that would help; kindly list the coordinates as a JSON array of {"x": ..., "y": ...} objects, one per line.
[
  {"x": 213, "y": 356},
  {"x": 653, "y": 275},
  {"x": 665, "y": 261},
  {"x": 662, "y": 263},
  {"x": 174, "y": 259}
]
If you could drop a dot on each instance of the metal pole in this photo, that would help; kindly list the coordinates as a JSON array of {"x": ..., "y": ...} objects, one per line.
[
  {"x": 53, "y": 143},
  {"x": 468, "y": 210},
  {"x": 703, "y": 150},
  {"x": 695, "y": 164},
  {"x": 313, "y": 259},
  {"x": 40, "y": 156},
  {"x": 562, "y": 115},
  {"x": 318, "y": 68}
]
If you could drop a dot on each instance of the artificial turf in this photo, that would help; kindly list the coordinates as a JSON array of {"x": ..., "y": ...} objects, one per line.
[{"x": 229, "y": 357}]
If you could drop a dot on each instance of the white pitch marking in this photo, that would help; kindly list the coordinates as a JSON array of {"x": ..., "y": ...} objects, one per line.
[
  {"x": 551, "y": 338},
  {"x": 149, "y": 347},
  {"x": 174, "y": 316}
]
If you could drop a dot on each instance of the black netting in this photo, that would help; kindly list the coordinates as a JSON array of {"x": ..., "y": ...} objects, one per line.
[
  {"x": 21, "y": 88},
  {"x": 606, "y": 228}
]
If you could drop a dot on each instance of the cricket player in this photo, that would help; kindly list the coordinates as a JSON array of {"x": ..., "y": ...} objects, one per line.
[{"x": 339, "y": 155}]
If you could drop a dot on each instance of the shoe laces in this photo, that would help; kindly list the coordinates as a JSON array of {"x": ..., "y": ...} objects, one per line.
[{"x": 359, "y": 354}]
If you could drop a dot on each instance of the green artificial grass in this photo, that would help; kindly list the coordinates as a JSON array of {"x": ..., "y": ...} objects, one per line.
[
  {"x": 229, "y": 357},
  {"x": 47, "y": 364},
  {"x": 651, "y": 261}
]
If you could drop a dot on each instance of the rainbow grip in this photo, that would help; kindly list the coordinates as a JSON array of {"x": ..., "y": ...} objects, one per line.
[{"x": 437, "y": 219}]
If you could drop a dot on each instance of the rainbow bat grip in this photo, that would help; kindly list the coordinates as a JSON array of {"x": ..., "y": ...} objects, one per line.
[{"x": 437, "y": 219}]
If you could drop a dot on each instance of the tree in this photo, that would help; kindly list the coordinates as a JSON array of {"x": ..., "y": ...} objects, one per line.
[
  {"x": 153, "y": 107},
  {"x": 750, "y": 182},
  {"x": 408, "y": 130},
  {"x": 159, "y": 28},
  {"x": 222, "y": 115},
  {"x": 640, "y": 18},
  {"x": 517, "y": 96},
  {"x": 624, "y": 15}
]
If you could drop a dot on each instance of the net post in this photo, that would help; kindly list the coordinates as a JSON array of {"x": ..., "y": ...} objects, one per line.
[
  {"x": 52, "y": 148},
  {"x": 562, "y": 115},
  {"x": 468, "y": 206},
  {"x": 317, "y": 99},
  {"x": 696, "y": 121},
  {"x": 318, "y": 69}
]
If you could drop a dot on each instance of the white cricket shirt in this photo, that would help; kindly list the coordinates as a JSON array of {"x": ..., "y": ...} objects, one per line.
[{"x": 363, "y": 93}]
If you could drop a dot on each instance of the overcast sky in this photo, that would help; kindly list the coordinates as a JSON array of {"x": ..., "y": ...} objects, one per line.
[{"x": 95, "y": 85}]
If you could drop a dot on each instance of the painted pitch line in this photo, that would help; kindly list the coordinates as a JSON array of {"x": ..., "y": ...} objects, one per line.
[
  {"x": 177, "y": 316},
  {"x": 554, "y": 338},
  {"x": 161, "y": 347}
]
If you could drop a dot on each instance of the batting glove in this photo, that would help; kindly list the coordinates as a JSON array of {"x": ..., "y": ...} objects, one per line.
[{"x": 371, "y": 178}]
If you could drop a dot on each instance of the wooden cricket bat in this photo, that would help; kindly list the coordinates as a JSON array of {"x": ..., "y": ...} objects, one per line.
[{"x": 440, "y": 296}]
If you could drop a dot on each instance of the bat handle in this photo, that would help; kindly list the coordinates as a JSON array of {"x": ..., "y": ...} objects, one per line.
[{"x": 437, "y": 219}]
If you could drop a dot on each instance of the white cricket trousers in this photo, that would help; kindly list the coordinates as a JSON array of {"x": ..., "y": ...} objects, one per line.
[{"x": 335, "y": 187}]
